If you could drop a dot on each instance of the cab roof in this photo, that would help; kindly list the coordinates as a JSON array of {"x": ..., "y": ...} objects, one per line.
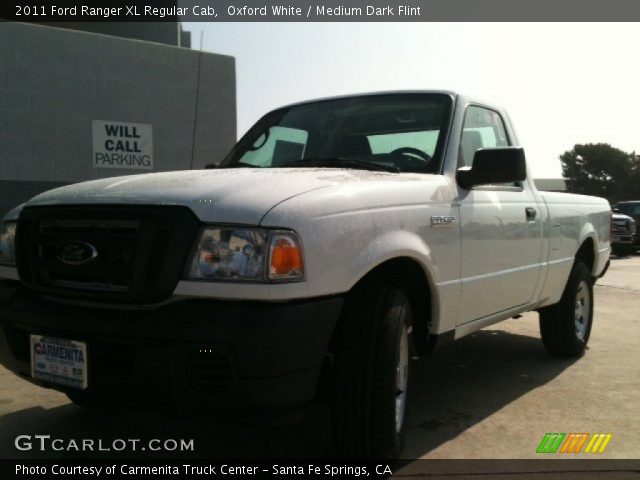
[
  {"x": 455, "y": 96},
  {"x": 450, "y": 93}
]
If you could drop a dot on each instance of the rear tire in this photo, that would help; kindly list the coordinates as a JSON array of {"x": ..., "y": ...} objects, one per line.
[
  {"x": 566, "y": 326},
  {"x": 370, "y": 374}
]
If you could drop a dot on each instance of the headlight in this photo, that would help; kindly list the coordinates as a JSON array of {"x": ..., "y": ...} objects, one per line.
[
  {"x": 7, "y": 243},
  {"x": 246, "y": 254}
]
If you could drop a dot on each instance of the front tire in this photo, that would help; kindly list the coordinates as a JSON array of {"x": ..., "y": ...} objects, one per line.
[
  {"x": 566, "y": 326},
  {"x": 371, "y": 373}
]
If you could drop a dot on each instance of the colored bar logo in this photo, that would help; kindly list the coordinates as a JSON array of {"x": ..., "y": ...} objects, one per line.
[{"x": 573, "y": 443}]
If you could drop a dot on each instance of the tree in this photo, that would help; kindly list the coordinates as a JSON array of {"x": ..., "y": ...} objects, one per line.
[{"x": 602, "y": 170}]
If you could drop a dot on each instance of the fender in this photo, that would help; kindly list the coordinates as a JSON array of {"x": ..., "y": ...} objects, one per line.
[
  {"x": 554, "y": 284},
  {"x": 401, "y": 244},
  {"x": 600, "y": 256}
]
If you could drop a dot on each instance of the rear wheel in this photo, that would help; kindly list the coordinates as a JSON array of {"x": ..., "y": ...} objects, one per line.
[
  {"x": 371, "y": 373},
  {"x": 566, "y": 326}
]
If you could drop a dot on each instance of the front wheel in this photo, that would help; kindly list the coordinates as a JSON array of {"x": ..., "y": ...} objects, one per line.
[
  {"x": 566, "y": 326},
  {"x": 371, "y": 373}
]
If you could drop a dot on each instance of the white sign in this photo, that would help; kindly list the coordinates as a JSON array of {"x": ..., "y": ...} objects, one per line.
[
  {"x": 59, "y": 361},
  {"x": 122, "y": 145}
]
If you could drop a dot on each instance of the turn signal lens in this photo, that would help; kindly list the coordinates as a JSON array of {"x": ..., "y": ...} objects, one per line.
[{"x": 285, "y": 257}]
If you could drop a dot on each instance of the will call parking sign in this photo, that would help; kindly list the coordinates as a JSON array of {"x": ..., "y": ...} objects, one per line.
[{"x": 122, "y": 145}]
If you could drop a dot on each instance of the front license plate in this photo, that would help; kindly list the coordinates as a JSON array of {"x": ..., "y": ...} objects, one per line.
[{"x": 59, "y": 361}]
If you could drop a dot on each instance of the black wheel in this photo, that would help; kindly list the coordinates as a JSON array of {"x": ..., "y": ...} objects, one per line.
[
  {"x": 622, "y": 250},
  {"x": 371, "y": 373},
  {"x": 566, "y": 326}
]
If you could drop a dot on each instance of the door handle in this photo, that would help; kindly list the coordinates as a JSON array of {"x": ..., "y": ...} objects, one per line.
[{"x": 531, "y": 213}]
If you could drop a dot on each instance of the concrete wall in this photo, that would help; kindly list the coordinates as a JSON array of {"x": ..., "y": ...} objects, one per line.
[{"x": 55, "y": 82}]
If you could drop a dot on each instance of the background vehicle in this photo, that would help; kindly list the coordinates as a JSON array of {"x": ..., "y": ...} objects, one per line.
[
  {"x": 337, "y": 240},
  {"x": 631, "y": 209},
  {"x": 623, "y": 234}
]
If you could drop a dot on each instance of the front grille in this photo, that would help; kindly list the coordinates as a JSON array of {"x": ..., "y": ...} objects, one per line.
[
  {"x": 115, "y": 241},
  {"x": 127, "y": 254},
  {"x": 209, "y": 372}
]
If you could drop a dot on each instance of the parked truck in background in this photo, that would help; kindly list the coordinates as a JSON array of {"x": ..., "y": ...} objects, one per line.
[
  {"x": 338, "y": 240},
  {"x": 631, "y": 208},
  {"x": 623, "y": 234}
]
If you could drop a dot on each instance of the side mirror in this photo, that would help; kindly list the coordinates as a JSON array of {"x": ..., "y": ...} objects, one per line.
[{"x": 493, "y": 166}]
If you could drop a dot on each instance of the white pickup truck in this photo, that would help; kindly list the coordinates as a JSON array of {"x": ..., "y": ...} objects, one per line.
[{"x": 338, "y": 240}]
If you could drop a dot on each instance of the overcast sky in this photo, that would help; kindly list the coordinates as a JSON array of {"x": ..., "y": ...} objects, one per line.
[{"x": 562, "y": 83}]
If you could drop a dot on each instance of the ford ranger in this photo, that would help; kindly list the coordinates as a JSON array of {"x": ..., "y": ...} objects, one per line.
[{"x": 338, "y": 240}]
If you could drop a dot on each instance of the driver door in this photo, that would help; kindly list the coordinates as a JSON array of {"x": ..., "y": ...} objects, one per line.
[{"x": 501, "y": 243}]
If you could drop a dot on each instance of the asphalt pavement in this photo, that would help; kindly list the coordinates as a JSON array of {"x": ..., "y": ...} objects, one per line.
[{"x": 491, "y": 395}]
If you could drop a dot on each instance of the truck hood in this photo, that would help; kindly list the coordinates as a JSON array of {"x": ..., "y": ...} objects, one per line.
[{"x": 228, "y": 195}]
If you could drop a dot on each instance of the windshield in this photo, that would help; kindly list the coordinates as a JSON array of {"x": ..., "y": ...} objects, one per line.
[
  {"x": 628, "y": 208},
  {"x": 396, "y": 132}
]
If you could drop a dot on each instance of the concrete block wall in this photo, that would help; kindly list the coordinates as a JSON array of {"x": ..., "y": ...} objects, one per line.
[{"x": 55, "y": 82}]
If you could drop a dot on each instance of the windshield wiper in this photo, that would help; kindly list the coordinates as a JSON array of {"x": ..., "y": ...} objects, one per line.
[
  {"x": 240, "y": 165},
  {"x": 340, "y": 162}
]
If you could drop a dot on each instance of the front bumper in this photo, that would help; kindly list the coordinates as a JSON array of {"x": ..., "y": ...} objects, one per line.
[
  {"x": 622, "y": 239},
  {"x": 255, "y": 356}
]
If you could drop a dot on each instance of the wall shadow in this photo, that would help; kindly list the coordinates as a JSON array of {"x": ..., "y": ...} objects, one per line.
[{"x": 459, "y": 386}]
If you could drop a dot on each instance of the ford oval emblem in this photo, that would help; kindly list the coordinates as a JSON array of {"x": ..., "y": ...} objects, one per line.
[{"x": 76, "y": 252}]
